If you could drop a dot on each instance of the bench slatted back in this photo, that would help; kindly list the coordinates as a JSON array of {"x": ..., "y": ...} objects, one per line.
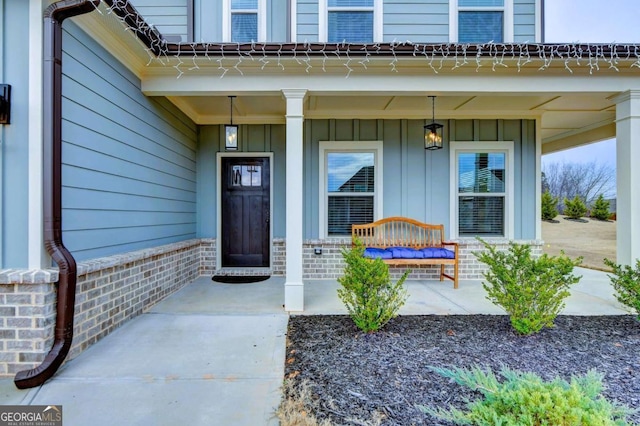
[{"x": 398, "y": 232}]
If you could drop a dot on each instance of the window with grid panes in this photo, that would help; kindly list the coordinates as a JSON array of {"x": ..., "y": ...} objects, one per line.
[{"x": 481, "y": 21}]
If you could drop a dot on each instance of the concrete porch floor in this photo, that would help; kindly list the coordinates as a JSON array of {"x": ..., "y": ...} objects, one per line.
[{"x": 214, "y": 353}]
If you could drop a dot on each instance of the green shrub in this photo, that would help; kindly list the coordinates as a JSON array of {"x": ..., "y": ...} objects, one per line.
[
  {"x": 549, "y": 206},
  {"x": 575, "y": 208},
  {"x": 525, "y": 399},
  {"x": 531, "y": 290},
  {"x": 626, "y": 282},
  {"x": 600, "y": 209},
  {"x": 367, "y": 292}
]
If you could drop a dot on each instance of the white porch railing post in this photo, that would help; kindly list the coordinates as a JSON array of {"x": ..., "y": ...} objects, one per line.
[
  {"x": 628, "y": 176},
  {"x": 294, "y": 287}
]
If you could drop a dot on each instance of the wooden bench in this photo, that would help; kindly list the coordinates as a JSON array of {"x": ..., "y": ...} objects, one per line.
[{"x": 385, "y": 236}]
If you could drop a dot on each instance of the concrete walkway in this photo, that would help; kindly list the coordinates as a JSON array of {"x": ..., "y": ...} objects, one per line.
[{"x": 213, "y": 354}]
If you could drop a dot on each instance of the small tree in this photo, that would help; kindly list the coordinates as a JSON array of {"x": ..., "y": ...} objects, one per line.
[
  {"x": 575, "y": 208},
  {"x": 549, "y": 206},
  {"x": 626, "y": 282},
  {"x": 367, "y": 291},
  {"x": 531, "y": 290},
  {"x": 600, "y": 209}
]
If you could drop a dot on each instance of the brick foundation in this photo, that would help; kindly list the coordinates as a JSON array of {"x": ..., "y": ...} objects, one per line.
[{"x": 114, "y": 289}]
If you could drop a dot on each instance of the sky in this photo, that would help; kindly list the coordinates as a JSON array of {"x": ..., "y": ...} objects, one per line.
[{"x": 591, "y": 21}]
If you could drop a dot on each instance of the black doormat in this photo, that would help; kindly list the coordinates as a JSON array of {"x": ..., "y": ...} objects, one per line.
[{"x": 239, "y": 279}]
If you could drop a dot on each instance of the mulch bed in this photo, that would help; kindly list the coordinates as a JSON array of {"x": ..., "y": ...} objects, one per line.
[{"x": 355, "y": 375}]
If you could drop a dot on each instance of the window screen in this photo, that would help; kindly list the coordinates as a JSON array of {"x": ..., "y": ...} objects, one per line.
[
  {"x": 350, "y": 20},
  {"x": 350, "y": 190},
  {"x": 481, "y": 193},
  {"x": 244, "y": 21},
  {"x": 480, "y": 27},
  {"x": 353, "y": 27}
]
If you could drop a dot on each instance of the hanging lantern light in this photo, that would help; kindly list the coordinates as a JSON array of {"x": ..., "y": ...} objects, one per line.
[
  {"x": 231, "y": 131},
  {"x": 433, "y": 130}
]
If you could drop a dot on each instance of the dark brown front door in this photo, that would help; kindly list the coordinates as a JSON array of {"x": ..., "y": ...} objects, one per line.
[{"x": 245, "y": 211}]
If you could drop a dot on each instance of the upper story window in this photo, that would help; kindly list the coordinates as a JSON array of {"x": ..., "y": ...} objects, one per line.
[
  {"x": 352, "y": 21},
  {"x": 481, "y": 21},
  {"x": 245, "y": 21}
]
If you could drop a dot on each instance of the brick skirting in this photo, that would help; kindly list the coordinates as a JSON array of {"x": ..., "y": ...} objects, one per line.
[{"x": 114, "y": 289}]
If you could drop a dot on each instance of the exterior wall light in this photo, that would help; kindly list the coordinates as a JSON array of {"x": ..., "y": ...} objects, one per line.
[
  {"x": 433, "y": 131},
  {"x": 5, "y": 104},
  {"x": 231, "y": 132}
]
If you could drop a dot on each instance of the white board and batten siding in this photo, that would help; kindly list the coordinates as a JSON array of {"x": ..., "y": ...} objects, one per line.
[{"x": 129, "y": 161}]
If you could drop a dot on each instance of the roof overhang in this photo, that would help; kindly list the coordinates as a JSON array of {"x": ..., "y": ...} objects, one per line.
[{"x": 570, "y": 88}]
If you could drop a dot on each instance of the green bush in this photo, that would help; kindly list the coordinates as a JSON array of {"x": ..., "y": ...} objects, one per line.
[
  {"x": 549, "y": 206},
  {"x": 367, "y": 292},
  {"x": 626, "y": 282},
  {"x": 575, "y": 208},
  {"x": 600, "y": 209},
  {"x": 525, "y": 399},
  {"x": 531, "y": 290}
]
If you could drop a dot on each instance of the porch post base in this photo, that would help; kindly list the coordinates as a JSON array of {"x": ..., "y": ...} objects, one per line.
[{"x": 294, "y": 296}]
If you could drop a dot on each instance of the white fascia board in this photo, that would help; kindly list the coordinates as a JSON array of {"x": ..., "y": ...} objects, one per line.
[
  {"x": 104, "y": 28},
  {"x": 441, "y": 84}
]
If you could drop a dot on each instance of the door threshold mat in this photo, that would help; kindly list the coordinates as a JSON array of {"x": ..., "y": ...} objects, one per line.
[{"x": 239, "y": 279}]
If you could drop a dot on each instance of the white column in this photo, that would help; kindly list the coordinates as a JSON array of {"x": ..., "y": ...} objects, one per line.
[
  {"x": 628, "y": 176},
  {"x": 294, "y": 287}
]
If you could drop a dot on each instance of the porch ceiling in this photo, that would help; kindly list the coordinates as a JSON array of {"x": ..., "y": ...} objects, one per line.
[{"x": 566, "y": 119}]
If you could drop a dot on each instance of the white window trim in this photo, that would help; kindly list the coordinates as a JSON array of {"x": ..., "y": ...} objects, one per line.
[
  {"x": 323, "y": 19},
  {"x": 342, "y": 146},
  {"x": 507, "y": 11},
  {"x": 503, "y": 146},
  {"x": 226, "y": 20}
]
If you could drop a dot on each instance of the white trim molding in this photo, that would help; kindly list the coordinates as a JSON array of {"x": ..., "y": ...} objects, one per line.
[
  {"x": 376, "y": 147},
  {"x": 506, "y": 147},
  {"x": 37, "y": 257}
]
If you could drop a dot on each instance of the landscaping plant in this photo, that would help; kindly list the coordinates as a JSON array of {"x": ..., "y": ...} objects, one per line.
[
  {"x": 575, "y": 209},
  {"x": 600, "y": 209},
  {"x": 367, "y": 291},
  {"x": 626, "y": 282},
  {"x": 531, "y": 290},
  {"x": 526, "y": 399},
  {"x": 549, "y": 206}
]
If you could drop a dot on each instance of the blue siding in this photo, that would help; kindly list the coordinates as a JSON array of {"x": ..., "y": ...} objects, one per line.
[
  {"x": 419, "y": 21},
  {"x": 416, "y": 181},
  {"x": 524, "y": 21},
  {"x": 14, "y": 146},
  {"x": 252, "y": 138},
  {"x": 129, "y": 161},
  {"x": 168, "y": 16},
  {"x": 307, "y": 20}
]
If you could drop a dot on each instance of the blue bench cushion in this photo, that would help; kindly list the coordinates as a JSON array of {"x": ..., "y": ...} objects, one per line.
[
  {"x": 437, "y": 253},
  {"x": 405, "y": 253},
  {"x": 373, "y": 253}
]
